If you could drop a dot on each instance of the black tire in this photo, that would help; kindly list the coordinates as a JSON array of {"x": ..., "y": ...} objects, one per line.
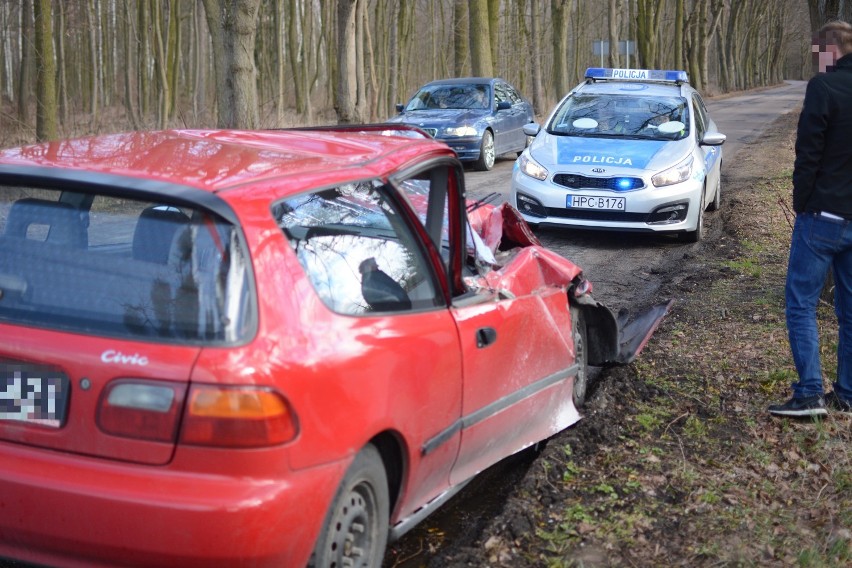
[
  {"x": 355, "y": 531},
  {"x": 717, "y": 197},
  {"x": 578, "y": 332},
  {"x": 486, "y": 153},
  {"x": 695, "y": 236}
]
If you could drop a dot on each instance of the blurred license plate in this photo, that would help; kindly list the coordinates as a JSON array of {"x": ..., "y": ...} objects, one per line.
[
  {"x": 592, "y": 202},
  {"x": 33, "y": 394}
]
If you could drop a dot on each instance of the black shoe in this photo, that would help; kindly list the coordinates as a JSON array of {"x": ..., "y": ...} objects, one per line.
[
  {"x": 837, "y": 404},
  {"x": 804, "y": 406}
]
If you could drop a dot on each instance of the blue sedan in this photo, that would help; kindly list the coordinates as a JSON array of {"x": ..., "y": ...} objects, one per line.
[{"x": 480, "y": 118}]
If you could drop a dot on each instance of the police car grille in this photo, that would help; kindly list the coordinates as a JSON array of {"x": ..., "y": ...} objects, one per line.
[
  {"x": 584, "y": 182},
  {"x": 590, "y": 215}
]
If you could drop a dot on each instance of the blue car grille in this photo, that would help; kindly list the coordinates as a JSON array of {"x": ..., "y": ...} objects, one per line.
[
  {"x": 431, "y": 131},
  {"x": 584, "y": 182}
]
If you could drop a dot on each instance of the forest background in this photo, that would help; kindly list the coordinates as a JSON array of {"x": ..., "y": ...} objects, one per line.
[{"x": 78, "y": 67}]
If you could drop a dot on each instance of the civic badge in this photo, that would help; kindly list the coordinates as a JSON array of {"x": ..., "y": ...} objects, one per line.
[{"x": 598, "y": 170}]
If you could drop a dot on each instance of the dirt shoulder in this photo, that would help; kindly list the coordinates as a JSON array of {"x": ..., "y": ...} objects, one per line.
[{"x": 676, "y": 462}]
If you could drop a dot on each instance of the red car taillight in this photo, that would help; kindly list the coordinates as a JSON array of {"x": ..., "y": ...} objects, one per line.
[
  {"x": 243, "y": 417},
  {"x": 145, "y": 410}
]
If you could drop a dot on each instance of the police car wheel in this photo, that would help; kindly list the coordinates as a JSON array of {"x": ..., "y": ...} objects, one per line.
[
  {"x": 695, "y": 236},
  {"x": 717, "y": 196}
]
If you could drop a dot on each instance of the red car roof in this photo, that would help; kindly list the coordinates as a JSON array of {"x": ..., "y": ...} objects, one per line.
[{"x": 218, "y": 159}]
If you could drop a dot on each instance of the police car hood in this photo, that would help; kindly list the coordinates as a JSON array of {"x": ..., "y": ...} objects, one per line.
[
  {"x": 582, "y": 153},
  {"x": 441, "y": 118}
]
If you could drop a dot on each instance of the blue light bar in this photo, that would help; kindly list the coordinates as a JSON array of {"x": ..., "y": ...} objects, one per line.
[
  {"x": 607, "y": 73},
  {"x": 596, "y": 72}
]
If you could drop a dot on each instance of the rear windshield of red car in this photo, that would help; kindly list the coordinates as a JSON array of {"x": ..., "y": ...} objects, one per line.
[{"x": 103, "y": 265}]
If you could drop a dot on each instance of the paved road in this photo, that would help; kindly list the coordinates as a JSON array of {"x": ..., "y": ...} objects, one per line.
[
  {"x": 622, "y": 265},
  {"x": 742, "y": 118}
]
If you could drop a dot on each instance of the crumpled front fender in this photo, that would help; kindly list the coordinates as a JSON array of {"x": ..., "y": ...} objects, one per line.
[
  {"x": 524, "y": 266},
  {"x": 618, "y": 339}
]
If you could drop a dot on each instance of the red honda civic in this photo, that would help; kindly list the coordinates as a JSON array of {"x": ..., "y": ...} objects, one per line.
[{"x": 268, "y": 348}]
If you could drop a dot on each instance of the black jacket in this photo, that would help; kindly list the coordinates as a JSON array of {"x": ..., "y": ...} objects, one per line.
[{"x": 822, "y": 174}]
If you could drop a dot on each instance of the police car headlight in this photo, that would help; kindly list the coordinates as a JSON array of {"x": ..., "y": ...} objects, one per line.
[
  {"x": 532, "y": 168},
  {"x": 460, "y": 131},
  {"x": 677, "y": 174}
]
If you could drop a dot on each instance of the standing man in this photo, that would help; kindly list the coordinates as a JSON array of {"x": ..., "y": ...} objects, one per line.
[{"x": 822, "y": 235}]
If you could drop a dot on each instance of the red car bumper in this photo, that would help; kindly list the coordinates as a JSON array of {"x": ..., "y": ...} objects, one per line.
[{"x": 64, "y": 511}]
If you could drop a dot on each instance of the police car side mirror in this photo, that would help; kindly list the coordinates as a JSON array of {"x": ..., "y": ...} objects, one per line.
[
  {"x": 713, "y": 139},
  {"x": 504, "y": 105},
  {"x": 400, "y": 107},
  {"x": 531, "y": 129}
]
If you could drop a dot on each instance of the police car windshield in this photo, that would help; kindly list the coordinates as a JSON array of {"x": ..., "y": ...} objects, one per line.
[{"x": 622, "y": 116}]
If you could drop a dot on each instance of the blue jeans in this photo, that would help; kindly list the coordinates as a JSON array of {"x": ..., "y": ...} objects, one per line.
[{"x": 819, "y": 242}]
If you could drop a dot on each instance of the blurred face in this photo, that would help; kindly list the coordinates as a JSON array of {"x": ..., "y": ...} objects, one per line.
[{"x": 824, "y": 53}]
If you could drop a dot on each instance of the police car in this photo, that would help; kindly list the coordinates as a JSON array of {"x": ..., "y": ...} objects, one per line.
[{"x": 627, "y": 149}]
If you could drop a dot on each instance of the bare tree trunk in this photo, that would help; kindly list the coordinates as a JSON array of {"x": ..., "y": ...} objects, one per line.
[
  {"x": 559, "y": 77},
  {"x": 46, "y": 128},
  {"x": 360, "y": 61},
  {"x": 679, "y": 61},
  {"x": 614, "y": 20},
  {"x": 374, "y": 107},
  {"x": 346, "y": 99},
  {"x": 295, "y": 41},
  {"x": 822, "y": 11},
  {"x": 407, "y": 59},
  {"x": 62, "y": 86},
  {"x": 4, "y": 79},
  {"x": 494, "y": 32},
  {"x": 461, "y": 39},
  {"x": 648, "y": 13},
  {"x": 25, "y": 72},
  {"x": 309, "y": 59},
  {"x": 233, "y": 25},
  {"x": 94, "y": 91},
  {"x": 480, "y": 50},
  {"x": 713, "y": 12},
  {"x": 538, "y": 91},
  {"x": 173, "y": 57},
  {"x": 142, "y": 56},
  {"x": 163, "y": 109},
  {"x": 393, "y": 54},
  {"x": 575, "y": 7}
]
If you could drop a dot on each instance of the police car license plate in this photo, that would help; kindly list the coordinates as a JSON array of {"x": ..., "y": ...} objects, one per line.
[
  {"x": 33, "y": 394},
  {"x": 593, "y": 202}
]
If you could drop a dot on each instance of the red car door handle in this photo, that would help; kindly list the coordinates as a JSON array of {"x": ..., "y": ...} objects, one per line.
[{"x": 485, "y": 336}]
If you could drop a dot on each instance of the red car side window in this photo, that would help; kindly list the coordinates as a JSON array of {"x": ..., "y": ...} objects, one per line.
[{"x": 356, "y": 250}]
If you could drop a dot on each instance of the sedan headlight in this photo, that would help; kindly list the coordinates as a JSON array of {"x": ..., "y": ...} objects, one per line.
[
  {"x": 532, "y": 168},
  {"x": 460, "y": 131},
  {"x": 677, "y": 174}
]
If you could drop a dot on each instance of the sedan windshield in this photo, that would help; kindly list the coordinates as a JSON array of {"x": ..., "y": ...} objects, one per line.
[
  {"x": 625, "y": 116},
  {"x": 451, "y": 96}
]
